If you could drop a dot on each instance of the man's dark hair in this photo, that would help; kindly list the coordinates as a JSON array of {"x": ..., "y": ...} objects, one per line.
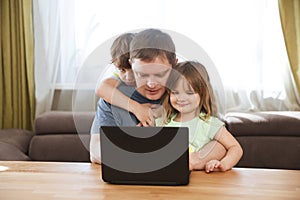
[{"x": 152, "y": 43}]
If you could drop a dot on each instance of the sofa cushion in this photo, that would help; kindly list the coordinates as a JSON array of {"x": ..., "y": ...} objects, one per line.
[
  {"x": 270, "y": 152},
  {"x": 63, "y": 147},
  {"x": 279, "y": 123},
  {"x": 14, "y": 144},
  {"x": 64, "y": 122}
]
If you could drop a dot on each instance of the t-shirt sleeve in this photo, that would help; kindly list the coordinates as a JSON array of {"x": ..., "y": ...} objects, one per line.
[
  {"x": 214, "y": 126},
  {"x": 104, "y": 115},
  {"x": 116, "y": 75}
]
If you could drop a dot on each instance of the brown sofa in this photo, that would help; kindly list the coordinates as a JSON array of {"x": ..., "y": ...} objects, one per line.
[
  {"x": 61, "y": 136},
  {"x": 269, "y": 139}
]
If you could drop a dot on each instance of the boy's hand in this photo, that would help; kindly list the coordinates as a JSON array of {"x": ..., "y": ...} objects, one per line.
[
  {"x": 156, "y": 110},
  {"x": 144, "y": 115}
]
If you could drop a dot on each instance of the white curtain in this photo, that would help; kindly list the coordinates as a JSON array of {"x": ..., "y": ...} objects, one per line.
[
  {"x": 55, "y": 49},
  {"x": 242, "y": 37}
]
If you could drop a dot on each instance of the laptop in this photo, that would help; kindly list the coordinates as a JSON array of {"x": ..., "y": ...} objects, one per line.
[{"x": 145, "y": 155}]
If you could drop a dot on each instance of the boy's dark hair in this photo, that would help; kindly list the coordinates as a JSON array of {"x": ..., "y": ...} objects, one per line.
[
  {"x": 120, "y": 50},
  {"x": 152, "y": 43}
]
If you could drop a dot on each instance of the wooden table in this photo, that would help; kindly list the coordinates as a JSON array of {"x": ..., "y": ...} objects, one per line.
[{"x": 52, "y": 180}]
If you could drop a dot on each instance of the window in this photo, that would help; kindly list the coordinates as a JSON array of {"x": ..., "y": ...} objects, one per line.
[{"x": 243, "y": 39}]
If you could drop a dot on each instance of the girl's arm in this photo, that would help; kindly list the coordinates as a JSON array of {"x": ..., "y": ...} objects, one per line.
[
  {"x": 233, "y": 155},
  {"x": 108, "y": 91}
]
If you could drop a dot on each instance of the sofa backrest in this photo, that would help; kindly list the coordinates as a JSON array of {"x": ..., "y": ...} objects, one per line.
[
  {"x": 275, "y": 123},
  {"x": 63, "y": 122}
]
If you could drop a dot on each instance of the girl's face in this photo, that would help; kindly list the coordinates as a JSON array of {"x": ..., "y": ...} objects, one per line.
[{"x": 184, "y": 99}]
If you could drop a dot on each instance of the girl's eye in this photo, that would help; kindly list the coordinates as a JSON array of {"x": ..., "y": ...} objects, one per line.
[{"x": 190, "y": 93}]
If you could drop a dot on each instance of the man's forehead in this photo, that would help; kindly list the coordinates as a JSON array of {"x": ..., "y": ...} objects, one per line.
[
  {"x": 154, "y": 61},
  {"x": 150, "y": 65},
  {"x": 157, "y": 69}
]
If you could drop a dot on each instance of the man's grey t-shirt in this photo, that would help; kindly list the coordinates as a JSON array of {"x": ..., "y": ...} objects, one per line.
[{"x": 109, "y": 115}]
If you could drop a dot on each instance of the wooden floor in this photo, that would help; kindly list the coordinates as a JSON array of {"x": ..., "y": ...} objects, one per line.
[{"x": 50, "y": 180}]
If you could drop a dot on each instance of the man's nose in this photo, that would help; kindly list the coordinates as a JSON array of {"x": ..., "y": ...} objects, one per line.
[{"x": 151, "y": 83}]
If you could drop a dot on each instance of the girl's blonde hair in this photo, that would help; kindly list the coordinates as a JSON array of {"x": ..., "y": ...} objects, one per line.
[{"x": 197, "y": 76}]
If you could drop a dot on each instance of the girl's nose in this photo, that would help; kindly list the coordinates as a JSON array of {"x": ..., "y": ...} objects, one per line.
[{"x": 180, "y": 97}]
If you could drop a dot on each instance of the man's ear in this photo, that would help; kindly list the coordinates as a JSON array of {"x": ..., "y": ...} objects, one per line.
[
  {"x": 130, "y": 62},
  {"x": 176, "y": 61}
]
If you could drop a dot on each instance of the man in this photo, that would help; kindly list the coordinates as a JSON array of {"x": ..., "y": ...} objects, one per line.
[{"x": 152, "y": 55}]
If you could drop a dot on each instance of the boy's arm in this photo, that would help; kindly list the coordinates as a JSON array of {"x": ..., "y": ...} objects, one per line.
[
  {"x": 108, "y": 91},
  {"x": 107, "y": 88}
]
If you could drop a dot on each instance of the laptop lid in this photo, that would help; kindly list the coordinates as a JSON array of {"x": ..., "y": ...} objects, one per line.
[{"x": 145, "y": 155}]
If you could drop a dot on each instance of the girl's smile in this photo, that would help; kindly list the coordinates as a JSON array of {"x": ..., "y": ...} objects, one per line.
[{"x": 185, "y": 100}]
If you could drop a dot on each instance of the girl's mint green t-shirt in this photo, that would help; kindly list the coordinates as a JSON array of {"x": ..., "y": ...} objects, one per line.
[{"x": 200, "y": 132}]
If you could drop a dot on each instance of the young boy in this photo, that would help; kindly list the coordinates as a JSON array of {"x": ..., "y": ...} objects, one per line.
[{"x": 107, "y": 89}]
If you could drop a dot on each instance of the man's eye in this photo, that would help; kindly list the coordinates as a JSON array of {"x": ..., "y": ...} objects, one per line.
[
  {"x": 160, "y": 75},
  {"x": 143, "y": 75},
  {"x": 122, "y": 70},
  {"x": 174, "y": 92},
  {"x": 190, "y": 93}
]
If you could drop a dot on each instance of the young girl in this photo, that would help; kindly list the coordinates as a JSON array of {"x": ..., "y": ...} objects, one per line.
[{"x": 190, "y": 102}]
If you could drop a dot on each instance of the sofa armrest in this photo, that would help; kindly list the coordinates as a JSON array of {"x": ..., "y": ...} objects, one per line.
[{"x": 14, "y": 144}]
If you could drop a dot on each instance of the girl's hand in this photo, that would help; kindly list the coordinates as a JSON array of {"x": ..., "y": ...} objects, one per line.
[{"x": 214, "y": 165}]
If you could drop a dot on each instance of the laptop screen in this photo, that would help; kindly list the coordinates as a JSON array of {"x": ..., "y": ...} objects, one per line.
[{"x": 145, "y": 155}]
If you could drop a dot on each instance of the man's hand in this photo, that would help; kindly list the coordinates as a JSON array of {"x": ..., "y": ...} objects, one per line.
[{"x": 195, "y": 162}]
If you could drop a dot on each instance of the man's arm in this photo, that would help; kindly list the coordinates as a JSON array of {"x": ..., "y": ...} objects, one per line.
[
  {"x": 103, "y": 117},
  {"x": 95, "y": 155}
]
